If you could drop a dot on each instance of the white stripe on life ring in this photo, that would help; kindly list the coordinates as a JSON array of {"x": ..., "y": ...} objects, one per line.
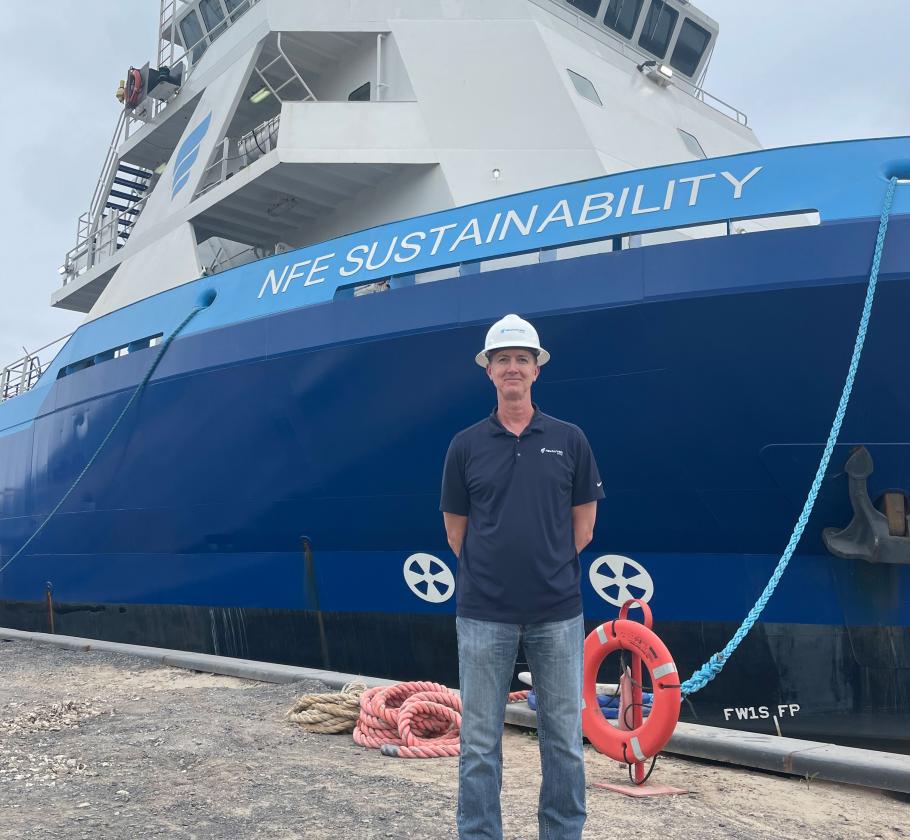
[
  {"x": 663, "y": 670},
  {"x": 636, "y": 748}
]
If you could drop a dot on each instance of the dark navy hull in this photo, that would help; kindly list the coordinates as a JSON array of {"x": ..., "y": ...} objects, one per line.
[{"x": 705, "y": 374}]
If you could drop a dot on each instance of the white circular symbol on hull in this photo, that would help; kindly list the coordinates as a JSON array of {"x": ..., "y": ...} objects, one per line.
[
  {"x": 429, "y": 578},
  {"x": 618, "y": 579}
]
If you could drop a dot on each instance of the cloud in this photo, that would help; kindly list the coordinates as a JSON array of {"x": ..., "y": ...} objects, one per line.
[
  {"x": 811, "y": 72},
  {"x": 804, "y": 72},
  {"x": 59, "y": 121}
]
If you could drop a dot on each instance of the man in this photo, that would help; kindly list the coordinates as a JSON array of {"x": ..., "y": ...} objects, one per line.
[{"x": 519, "y": 499}]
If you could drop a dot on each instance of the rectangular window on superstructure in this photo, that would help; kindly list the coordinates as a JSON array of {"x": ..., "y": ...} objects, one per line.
[
  {"x": 622, "y": 16},
  {"x": 690, "y": 47},
  {"x": 589, "y": 7},
  {"x": 362, "y": 94},
  {"x": 585, "y": 87},
  {"x": 658, "y": 28},
  {"x": 692, "y": 144}
]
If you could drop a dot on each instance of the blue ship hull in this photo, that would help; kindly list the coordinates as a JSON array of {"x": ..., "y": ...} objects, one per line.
[{"x": 705, "y": 374}]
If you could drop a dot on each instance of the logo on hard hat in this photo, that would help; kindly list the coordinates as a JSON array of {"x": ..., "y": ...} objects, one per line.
[{"x": 499, "y": 338}]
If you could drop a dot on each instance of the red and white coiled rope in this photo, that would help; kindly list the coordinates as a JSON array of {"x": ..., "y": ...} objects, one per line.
[{"x": 413, "y": 719}]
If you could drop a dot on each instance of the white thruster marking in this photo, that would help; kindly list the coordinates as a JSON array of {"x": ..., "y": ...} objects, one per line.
[
  {"x": 609, "y": 571},
  {"x": 427, "y": 569}
]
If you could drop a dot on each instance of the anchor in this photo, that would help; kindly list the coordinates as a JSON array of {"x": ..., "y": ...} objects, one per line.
[{"x": 871, "y": 535}]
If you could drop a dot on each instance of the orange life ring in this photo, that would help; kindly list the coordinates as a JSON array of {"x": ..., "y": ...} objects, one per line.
[
  {"x": 636, "y": 745},
  {"x": 133, "y": 87}
]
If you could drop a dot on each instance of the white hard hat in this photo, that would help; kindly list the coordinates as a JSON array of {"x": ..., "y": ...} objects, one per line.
[{"x": 511, "y": 331}]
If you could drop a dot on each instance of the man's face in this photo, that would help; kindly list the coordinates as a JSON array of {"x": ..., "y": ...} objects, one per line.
[{"x": 513, "y": 371}]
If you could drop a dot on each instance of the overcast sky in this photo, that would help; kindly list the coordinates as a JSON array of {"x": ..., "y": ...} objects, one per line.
[{"x": 803, "y": 70}]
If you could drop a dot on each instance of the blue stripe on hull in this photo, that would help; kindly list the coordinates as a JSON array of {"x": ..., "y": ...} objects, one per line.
[{"x": 707, "y": 413}]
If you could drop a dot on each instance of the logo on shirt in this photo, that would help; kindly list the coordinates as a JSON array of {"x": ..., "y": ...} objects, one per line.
[{"x": 545, "y": 451}]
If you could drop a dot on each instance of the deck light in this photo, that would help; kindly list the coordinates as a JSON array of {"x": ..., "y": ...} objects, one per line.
[
  {"x": 660, "y": 74},
  {"x": 260, "y": 95}
]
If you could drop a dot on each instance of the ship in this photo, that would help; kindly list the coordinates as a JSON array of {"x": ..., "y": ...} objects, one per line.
[{"x": 307, "y": 218}]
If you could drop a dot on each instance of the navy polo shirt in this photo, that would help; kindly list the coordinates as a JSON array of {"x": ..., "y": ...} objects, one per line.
[{"x": 518, "y": 562}]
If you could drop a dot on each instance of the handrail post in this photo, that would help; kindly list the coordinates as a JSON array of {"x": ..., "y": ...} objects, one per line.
[
  {"x": 379, "y": 84},
  {"x": 34, "y": 372},
  {"x": 23, "y": 373},
  {"x": 225, "y": 151}
]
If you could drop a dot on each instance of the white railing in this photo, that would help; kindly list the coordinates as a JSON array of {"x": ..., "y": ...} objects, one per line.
[
  {"x": 23, "y": 374},
  {"x": 232, "y": 156},
  {"x": 105, "y": 179},
  {"x": 225, "y": 262},
  {"x": 93, "y": 247}
]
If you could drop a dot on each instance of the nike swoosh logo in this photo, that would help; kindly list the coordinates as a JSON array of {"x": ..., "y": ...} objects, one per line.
[{"x": 599, "y": 483}]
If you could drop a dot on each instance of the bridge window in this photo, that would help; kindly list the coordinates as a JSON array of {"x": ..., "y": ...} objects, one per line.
[
  {"x": 213, "y": 16},
  {"x": 191, "y": 31},
  {"x": 589, "y": 7},
  {"x": 622, "y": 15},
  {"x": 236, "y": 7},
  {"x": 584, "y": 87},
  {"x": 658, "y": 28},
  {"x": 690, "y": 47}
]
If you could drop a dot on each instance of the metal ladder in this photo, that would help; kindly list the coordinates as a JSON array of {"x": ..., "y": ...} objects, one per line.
[
  {"x": 133, "y": 183},
  {"x": 295, "y": 76}
]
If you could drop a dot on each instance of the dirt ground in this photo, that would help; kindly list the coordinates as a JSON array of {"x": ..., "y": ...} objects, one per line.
[{"x": 98, "y": 745}]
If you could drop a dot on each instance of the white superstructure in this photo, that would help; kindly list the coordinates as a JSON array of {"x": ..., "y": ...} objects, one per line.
[{"x": 278, "y": 123}]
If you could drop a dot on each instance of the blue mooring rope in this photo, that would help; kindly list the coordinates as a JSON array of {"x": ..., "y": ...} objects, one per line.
[
  {"x": 139, "y": 389},
  {"x": 715, "y": 664}
]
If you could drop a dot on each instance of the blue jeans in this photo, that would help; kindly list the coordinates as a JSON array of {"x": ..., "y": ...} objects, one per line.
[{"x": 487, "y": 651}]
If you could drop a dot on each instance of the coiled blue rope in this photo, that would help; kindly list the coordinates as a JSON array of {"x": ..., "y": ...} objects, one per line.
[
  {"x": 136, "y": 394},
  {"x": 715, "y": 664}
]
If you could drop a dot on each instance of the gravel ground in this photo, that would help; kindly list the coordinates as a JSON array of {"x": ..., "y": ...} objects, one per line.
[{"x": 99, "y": 745}]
